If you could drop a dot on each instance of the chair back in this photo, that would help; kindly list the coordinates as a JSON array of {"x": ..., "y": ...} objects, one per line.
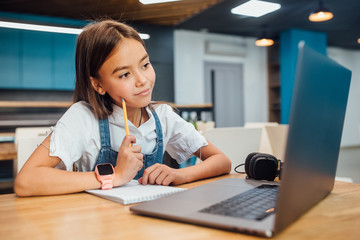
[
  {"x": 277, "y": 136},
  {"x": 26, "y": 141},
  {"x": 235, "y": 142}
]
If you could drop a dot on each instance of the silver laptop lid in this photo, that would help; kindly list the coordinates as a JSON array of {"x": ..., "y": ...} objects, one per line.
[{"x": 315, "y": 128}]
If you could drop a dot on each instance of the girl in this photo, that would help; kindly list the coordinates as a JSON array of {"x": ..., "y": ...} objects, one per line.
[{"x": 111, "y": 65}]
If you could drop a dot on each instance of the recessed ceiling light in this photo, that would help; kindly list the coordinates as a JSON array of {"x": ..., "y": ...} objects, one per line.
[
  {"x": 54, "y": 29},
  {"x": 255, "y": 8},
  {"x": 156, "y": 1}
]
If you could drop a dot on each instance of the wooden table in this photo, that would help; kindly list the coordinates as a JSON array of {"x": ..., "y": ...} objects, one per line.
[{"x": 83, "y": 216}]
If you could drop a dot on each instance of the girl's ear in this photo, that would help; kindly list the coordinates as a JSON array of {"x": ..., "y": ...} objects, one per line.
[{"x": 97, "y": 86}]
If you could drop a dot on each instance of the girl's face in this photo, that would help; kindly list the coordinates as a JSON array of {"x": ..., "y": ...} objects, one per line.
[{"x": 127, "y": 73}]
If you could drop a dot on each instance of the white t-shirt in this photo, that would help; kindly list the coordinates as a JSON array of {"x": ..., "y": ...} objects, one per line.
[{"x": 76, "y": 137}]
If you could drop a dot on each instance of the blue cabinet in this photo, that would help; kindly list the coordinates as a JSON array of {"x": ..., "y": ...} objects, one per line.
[
  {"x": 64, "y": 61},
  {"x": 10, "y": 58},
  {"x": 37, "y": 60}
]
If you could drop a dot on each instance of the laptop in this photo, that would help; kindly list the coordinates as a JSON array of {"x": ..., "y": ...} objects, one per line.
[{"x": 315, "y": 127}]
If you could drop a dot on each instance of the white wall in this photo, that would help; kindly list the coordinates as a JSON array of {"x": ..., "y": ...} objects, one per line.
[
  {"x": 351, "y": 60},
  {"x": 192, "y": 50}
]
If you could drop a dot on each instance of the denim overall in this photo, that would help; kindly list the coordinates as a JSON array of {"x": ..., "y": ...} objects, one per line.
[{"x": 107, "y": 155}]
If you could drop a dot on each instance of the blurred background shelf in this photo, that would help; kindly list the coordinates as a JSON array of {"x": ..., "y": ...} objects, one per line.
[{"x": 34, "y": 104}]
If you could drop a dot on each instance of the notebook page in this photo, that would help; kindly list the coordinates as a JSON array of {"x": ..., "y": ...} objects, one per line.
[{"x": 133, "y": 192}]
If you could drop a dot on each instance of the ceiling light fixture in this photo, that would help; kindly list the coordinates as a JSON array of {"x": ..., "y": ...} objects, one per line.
[
  {"x": 264, "y": 42},
  {"x": 358, "y": 41},
  {"x": 144, "y": 36},
  {"x": 255, "y": 8},
  {"x": 42, "y": 28},
  {"x": 321, "y": 14},
  {"x": 53, "y": 29},
  {"x": 156, "y": 1}
]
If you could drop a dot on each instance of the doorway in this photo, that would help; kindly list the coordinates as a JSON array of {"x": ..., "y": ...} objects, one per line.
[{"x": 224, "y": 88}]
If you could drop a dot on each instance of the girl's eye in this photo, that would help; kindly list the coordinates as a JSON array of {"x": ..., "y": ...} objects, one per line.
[
  {"x": 146, "y": 65},
  {"x": 124, "y": 75}
]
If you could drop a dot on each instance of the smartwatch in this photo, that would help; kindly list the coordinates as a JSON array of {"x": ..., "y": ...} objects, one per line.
[{"x": 105, "y": 174}]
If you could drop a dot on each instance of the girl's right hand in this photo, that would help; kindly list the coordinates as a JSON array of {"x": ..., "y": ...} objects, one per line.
[{"x": 129, "y": 161}]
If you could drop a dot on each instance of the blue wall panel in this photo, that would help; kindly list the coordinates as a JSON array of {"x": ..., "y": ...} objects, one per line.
[
  {"x": 64, "y": 61},
  {"x": 37, "y": 60},
  {"x": 10, "y": 58},
  {"x": 289, "y": 41}
]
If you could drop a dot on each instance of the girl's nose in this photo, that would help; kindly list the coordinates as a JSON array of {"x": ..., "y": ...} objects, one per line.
[{"x": 140, "y": 79}]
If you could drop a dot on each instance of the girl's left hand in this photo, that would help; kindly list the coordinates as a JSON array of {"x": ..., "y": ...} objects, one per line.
[{"x": 162, "y": 175}]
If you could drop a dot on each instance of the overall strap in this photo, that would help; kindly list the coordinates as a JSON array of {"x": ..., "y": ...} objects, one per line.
[
  {"x": 106, "y": 154},
  {"x": 104, "y": 132},
  {"x": 157, "y": 154},
  {"x": 157, "y": 125}
]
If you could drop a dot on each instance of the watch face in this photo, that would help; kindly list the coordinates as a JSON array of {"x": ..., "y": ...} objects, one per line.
[{"x": 105, "y": 169}]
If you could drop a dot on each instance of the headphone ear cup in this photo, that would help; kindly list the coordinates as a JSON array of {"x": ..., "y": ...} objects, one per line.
[
  {"x": 277, "y": 162},
  {"x": 248, "y": 162},
  {"x": 271, "y": 158},
  {"x": 266, "y": 168},
  {"x": 254, "y": 163},
  {"x": 262, "y": 166}
]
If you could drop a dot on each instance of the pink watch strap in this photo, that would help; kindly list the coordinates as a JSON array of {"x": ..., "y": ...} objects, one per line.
[{"x": 106, "y": 184}]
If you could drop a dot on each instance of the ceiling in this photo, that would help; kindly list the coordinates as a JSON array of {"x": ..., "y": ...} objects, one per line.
[
  {"x": 343, "y": 30},
  {"x": 207, "y": 15},
  {"x": 169, "y": 14}
]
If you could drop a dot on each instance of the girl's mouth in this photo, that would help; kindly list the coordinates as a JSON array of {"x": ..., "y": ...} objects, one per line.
[{"x": 144, "y": 93}]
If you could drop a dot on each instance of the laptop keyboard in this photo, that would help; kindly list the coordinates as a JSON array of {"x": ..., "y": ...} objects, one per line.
[{"x": 254, "y": 204}]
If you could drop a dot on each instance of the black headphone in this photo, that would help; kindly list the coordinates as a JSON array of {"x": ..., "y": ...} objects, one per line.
[{"x": 261, "y": 166}]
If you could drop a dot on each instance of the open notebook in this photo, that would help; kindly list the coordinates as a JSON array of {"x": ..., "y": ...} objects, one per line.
[{"x": 133, "y": 192}]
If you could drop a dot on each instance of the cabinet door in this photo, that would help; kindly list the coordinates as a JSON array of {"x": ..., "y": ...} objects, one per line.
[
  {"x": 64, "y": 61},
  {"x": 37, "y": 60},
  {"x": 9, "y": 58}
]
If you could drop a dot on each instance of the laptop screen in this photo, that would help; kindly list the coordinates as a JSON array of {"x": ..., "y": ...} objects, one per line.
[{"x": 316, "y": 121}]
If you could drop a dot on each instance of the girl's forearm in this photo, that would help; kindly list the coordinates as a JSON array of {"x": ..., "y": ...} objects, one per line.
[
  {"x": 215, "y": 165},
  {"x": 52, "y": 181}
]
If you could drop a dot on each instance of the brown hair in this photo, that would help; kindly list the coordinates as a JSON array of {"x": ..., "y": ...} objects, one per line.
[{"x": 93, "y": 47}]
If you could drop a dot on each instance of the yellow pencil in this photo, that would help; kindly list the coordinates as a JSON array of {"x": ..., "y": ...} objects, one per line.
[{"x": 125, "y": 118}]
